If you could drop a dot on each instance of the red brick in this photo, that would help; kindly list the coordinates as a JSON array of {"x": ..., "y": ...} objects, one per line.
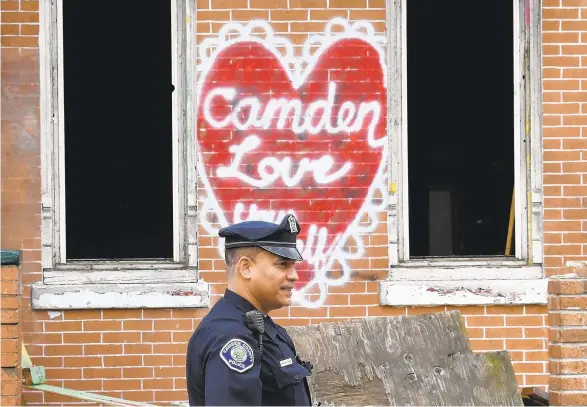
[
  {"x": 29, "y": 29},
  {"x": 121, "y": 361},
  {"x": 289, "y": 15},
  {"x": 158, "y": 360},
  {"x": 63, "y": 326},
  {"x": 526, "y": 344},
  {"x": 305, "y": 4},
  {"x": 565, "y": 286},
  {"x": 102, "y": 325},
  {"x": 347, "y": 312},
  {"x": 573, "y": 351},
  {"x": 173, "y": 325},
  {"x": 131, "y": 325},
  {"x": 206, "y": 15},
  {"x": 10, "y": 29},
  {"x": 573, "y": 335},
  {"x": 121, "y": 337},
  {"x": 562, "y": 61},
  {"x": 9, "y": 302},
  {"x": 568, "y": 399},
  {"x": 573, "y": 3},
  {"x": 269, "y": 4},
  {"x": 525, "y": 367},
  {"x": 9, "y": 331},
  {"x": 502, "y": 333},
  {"x": 573, "y": 302},
  {"x": 563, "y": 84},
  {"x": 567, "y": 367},
  {"x": 562, "y": 250},
  {"x": 169, "y": 372},
  {"x": 568, "y": 383},
  {"x": 82, "y": 314},
  {"x": 348, "y": 4},
  {"x": 385, "y": 311},
  {"x": 9, "y": 388},
  {"x": 487, "y": 344},
  {"x": 578, "y": 144},
  {"x": 9, "y": 288},
  {"x": 560, "y": 14},
  {"x": 170, "y": 395},
  {"x": 137, "y": 348},
  {"x": 19, "y": 17},
  {"x": 156, "y": 336},
  {"x": 104, "y": 349},
  {"x": 137, "y": 372},
  {"x": 551, "y": 49},
  {"x": 9, "y": 5},
  {"x": 152, "y": 384},
  {"x": 228, "y": 4}
]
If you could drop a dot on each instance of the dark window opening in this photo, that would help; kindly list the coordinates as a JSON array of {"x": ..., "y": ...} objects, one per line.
[
  {"x": 460, "y": 127},
  {"x": 118, "y": 133}
]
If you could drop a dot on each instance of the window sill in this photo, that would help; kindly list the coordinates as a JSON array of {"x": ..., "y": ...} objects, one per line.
[
  {"x": 464, "y": 285},
  {"x": 106, "y": 285},
  {"x": 108, "y": 296}
]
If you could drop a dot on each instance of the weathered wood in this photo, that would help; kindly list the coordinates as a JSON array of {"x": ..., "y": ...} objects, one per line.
[{"x": 409, "y": 360}]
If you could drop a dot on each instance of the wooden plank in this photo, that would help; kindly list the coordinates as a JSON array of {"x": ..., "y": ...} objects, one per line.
[{"x": 408, "y": 360}]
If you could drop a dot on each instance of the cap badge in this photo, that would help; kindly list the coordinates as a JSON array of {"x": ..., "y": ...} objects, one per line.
[{"x": 293, "y": 227}]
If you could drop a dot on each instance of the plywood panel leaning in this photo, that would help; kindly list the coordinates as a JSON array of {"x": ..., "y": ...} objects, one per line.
[{"x": 407, "y": 360}]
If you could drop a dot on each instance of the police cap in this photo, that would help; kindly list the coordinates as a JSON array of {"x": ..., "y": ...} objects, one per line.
[{"x": 279, "y": 239}]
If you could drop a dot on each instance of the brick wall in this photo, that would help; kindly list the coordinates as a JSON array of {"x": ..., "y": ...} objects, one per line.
[
  {"x": 140, "y": 354},
  {"x": 565, "y": 191},
  {"x": 567, "y": 305},
  {"x": 564, "y": 133},
  {"x": 10, "y": 389},
  {"x": 21, "y": 193}
]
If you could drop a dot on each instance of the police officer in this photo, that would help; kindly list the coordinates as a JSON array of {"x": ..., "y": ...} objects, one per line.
[{"x": 238, "y": 355}]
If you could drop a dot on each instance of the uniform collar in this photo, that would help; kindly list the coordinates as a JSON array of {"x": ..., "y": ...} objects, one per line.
[
  {"x": 238, "y": 301},
  {"x": 245, "y": 306}
]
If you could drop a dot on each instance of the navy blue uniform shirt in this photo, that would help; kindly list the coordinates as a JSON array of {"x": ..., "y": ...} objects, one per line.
[{"x": 225, "y": 366}]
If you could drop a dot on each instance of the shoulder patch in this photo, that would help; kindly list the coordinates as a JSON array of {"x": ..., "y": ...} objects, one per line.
[{"x": 238, "y": 355}]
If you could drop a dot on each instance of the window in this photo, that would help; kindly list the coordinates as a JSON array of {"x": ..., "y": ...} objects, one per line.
[
  {"x": 117, "y": 125},
  {"x": 117, "y": 155},
  {"x": 466, "y": 193},
  {"x": 460, "y": 132}
]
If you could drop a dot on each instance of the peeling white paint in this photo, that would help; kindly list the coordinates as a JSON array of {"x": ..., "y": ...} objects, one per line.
[
  {"x": 451, "y": 271},
  {"x": 463, "y": 292},
  {"x": 105, "y": 296},
  {"x": 53, "y": 314}
]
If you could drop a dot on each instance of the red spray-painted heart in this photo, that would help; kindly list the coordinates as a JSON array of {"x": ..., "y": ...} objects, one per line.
[{"x": 272, "y": 143}]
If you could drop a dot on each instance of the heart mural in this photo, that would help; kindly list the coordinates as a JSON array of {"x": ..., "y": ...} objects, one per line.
[{"x": 305, "y": 135}]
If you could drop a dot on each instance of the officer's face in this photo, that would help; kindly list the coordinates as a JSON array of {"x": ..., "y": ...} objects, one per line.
[{"x": 273, "y": 279}]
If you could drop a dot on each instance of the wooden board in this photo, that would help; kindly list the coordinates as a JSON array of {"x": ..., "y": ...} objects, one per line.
[{"x": 409, "y": 360}]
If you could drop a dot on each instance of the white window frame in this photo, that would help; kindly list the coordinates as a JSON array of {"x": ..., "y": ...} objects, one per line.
[
  {"x": 462, "y": 280},
  {"x": 118, "y": 284}
]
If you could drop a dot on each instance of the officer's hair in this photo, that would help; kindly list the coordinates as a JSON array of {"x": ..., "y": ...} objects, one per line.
[{"x": 232, "y": 256}]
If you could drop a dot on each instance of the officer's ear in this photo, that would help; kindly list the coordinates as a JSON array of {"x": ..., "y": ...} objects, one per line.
[{"x": 244, "y": 267}]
